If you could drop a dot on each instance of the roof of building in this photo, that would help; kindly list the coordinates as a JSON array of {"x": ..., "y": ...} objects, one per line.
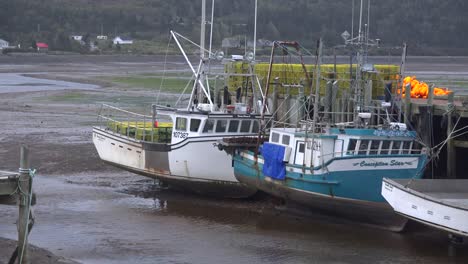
[
  {"x": 124, "y": 38},
  {"x": 42, "y": 45}
]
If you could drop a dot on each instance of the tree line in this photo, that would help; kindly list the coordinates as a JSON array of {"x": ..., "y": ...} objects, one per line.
[{"x": 430, "y": 27}]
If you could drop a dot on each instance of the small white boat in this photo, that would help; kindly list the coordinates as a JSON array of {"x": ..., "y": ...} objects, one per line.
[{"x": 440, "y": 203}]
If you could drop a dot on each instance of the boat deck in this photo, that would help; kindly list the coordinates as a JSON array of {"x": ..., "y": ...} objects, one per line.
[{"x": 447, "y": 191}]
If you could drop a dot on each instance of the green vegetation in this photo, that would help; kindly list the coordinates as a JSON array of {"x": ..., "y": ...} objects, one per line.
[
  {"x": 431, "y": 27},
  {"x": 167, "y": 84}
]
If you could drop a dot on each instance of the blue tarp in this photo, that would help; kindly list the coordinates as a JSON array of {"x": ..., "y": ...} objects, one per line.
[{"x": 273, "y": 166}]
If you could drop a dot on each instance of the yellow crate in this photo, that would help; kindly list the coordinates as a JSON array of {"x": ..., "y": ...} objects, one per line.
[{"x": 294, "y": 74}]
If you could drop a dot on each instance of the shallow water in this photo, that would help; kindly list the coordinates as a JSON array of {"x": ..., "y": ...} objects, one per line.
[
  {"x": 14, "y": 82},
  {"x": 123, "y": 218}
]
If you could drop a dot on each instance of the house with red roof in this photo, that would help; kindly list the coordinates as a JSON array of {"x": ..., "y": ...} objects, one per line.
[{"x": 41, "y": 46}]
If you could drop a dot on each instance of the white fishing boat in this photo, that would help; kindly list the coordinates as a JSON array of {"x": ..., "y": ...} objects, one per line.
[
  {"x": 183, "y": 152},
  {"x": 440, "y": 203}
]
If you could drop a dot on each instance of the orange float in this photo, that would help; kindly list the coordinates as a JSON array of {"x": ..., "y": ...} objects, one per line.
[{"x": 420, "y": 89}]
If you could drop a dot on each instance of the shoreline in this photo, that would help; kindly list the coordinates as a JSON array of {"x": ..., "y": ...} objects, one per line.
[{"x": 37, "y": 255}]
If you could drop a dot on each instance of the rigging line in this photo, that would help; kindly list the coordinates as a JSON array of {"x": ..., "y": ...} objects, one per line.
[
  {"x": 164, "y": 70},
  {"x": 452, "y": 137},
  {"x": 289, "y": 111},
  {"x": 183, "y": 92},
  {"x": 193, "y": 43},
  {"x": 446, "y": 140},
  {"x": 307, "y": 51}
]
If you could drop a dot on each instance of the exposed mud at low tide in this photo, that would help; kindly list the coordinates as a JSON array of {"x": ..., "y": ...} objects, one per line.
[{"x": 90, "y": 212}]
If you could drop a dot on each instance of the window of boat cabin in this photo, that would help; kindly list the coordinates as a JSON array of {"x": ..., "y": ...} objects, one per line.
[
  {"x": 352, "y": 146},
  {"x": 301, "y": 147},
  {"x": 385, "y": 147},
  {"x": 245, "y": 126},
  {"x": 221, "y": 126},
  {"x": 406, "y": 147},
  {"x": 255, "y": 127},
  {"x": 194, "y": 124},
  {"x": 285, "y": 140},
  {"x": 181, "y": 124},
  {"x": 233, "y": 126},
  {"x": 396, "y": 147},
  {"x": 416, "y": 148},
  {"x": 374, "y": 147},
  {"x": 275, "y": 137},
  {"x": 363, "y": 147},
  {"x": 209, "y": 125}
]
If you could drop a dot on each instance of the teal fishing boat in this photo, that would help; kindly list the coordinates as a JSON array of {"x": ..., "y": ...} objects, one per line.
[
  {"x": 335, "y": 158},
  {"x": 337, "y": 171}
]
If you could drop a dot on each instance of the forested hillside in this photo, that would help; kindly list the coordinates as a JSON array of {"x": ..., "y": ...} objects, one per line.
[{"x": 429, "y": 26}]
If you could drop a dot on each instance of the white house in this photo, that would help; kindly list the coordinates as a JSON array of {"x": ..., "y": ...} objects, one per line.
[
  {"x": 122, "y": 41},
  {"x": 77, "y": 37},
  {"x": 4, "y": 44}
]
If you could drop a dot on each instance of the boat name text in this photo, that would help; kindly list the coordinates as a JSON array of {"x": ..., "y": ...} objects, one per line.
[{"x": 381, "y": 163}]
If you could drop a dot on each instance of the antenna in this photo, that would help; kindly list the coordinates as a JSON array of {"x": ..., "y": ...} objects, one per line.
[{"x": 352, "y": 20}]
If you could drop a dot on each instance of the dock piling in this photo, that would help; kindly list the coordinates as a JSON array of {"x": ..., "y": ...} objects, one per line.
[
  {"x": 450, "y": 144},
  {"x": 24, "y": 183}
]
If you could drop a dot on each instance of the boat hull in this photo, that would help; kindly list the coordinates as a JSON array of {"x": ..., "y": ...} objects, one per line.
[
  {"x": 352, "y": 195},
  {"x": 442, "y": 204},
  {"x": 208, "y": 174}
]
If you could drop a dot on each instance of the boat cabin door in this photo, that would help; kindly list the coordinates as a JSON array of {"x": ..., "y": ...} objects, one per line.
[{"x": 299, "y": 153}]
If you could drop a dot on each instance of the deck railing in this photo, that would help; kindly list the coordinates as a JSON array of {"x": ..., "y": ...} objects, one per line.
[{"x": 133, "y": 125}]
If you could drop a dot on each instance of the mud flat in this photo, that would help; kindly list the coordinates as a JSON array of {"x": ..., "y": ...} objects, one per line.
[{"x": 90, "y": 212}]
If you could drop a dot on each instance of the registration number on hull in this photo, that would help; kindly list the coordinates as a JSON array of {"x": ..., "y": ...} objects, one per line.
[{"x": 180, "y": 134}]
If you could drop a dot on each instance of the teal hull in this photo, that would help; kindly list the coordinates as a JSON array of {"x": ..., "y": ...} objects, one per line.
[{"x": 354, "y": 194}]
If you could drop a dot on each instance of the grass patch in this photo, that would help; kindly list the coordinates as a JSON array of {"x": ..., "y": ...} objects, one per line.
[
  {"x": 172, "y": 84},
  {"x": 75, "y": 97}
]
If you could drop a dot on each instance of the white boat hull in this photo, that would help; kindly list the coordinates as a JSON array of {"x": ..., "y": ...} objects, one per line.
[
  {"x": 209, "y": 173},
  {"x": 442, "y": 204}
]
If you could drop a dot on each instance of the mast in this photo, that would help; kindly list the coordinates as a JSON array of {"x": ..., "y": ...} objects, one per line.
[
  {"x": 202, "y": 30},
  {"x": 255, "y": 32},
  {"x": 211, "y": 27}
]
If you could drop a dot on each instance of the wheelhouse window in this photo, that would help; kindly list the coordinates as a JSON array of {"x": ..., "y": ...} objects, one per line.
[
  {"x": 301, "y": 147},
  {"x": 352, "y": 146},
  {"x": 385, "y": 147},
  {"x": 245, "y": 126},
  {"x": 221, "y": 126},
  {"x": 285, "y": 140},
  {"x": 416, "y": 148},
  {"x": 181, "y": 124},
  {"x": 374, "y": 147},
  {"x": 194, "y": 125},
  {"x": 209, "y": 125},
  {"x": 255, "y": 127},
  {"x": 233, "y": 126},
  {"x": 406, "y": 147},
  {"x": 396, "y": 147},
  {"x": 363, "y": 147},
  {"x": 275, "y": 137}
]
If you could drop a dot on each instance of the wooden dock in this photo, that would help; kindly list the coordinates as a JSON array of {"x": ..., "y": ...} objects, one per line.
[
  {"x": 18, "y": 185},
  {"x": 442, "y": 123}
]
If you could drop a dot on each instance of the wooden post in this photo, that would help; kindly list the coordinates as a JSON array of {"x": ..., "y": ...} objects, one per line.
[
  {"x": 333, "y": 100},
  {"x": 328, "y": 101},
  {"x": 430, "y": 95},
  {"x": 407, "y": 104},
  {"x": 451, "y": 170},
  {"x": 24, "y": 206},
  {"x": 274, "y": 105}
]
